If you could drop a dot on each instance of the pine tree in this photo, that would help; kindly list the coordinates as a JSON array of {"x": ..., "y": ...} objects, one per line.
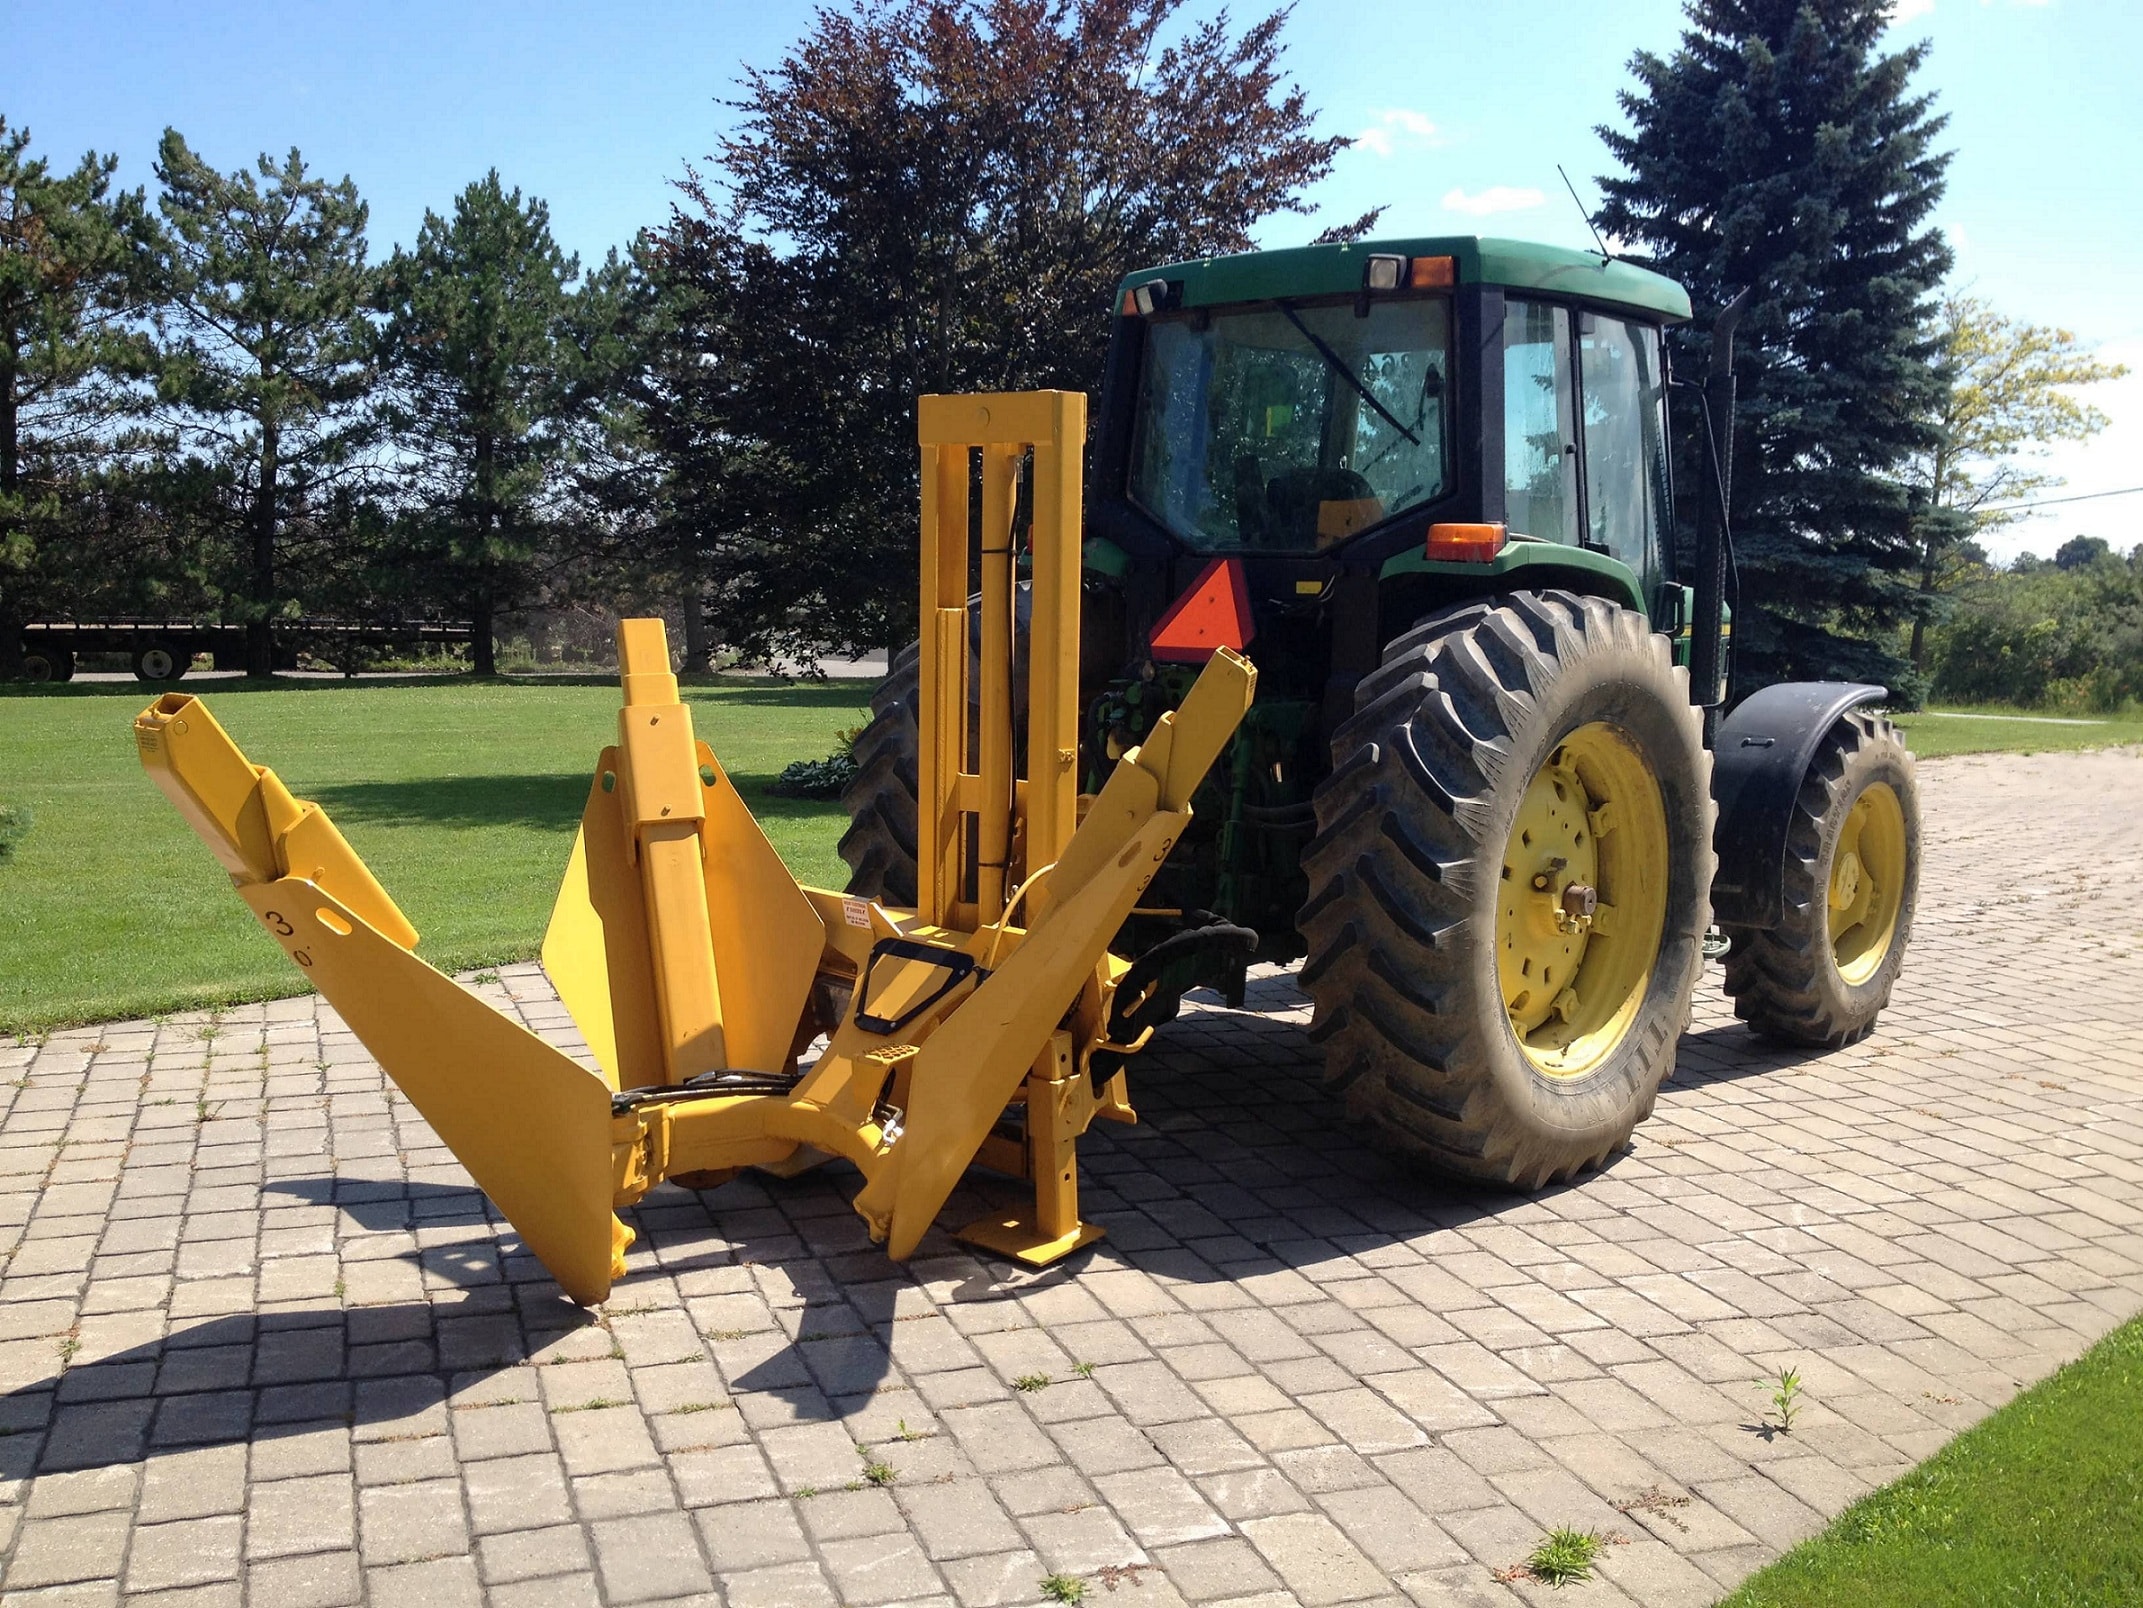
[
  {"x": 263, "y": 287},
  {"x": 1782, "y": 147},
  {"x": 726, "y": 515},
  {"x": 483, "y": 397},
  {"x": 70, "y": 279},
  {"x": 640, "y": 521}
]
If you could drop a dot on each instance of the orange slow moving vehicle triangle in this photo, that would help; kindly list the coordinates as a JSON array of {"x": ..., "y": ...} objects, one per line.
[{"x": 1214, "y": 612}]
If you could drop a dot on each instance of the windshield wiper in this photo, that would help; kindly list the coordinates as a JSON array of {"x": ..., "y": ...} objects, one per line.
[
  {"x": 1339, "y": 367},
  {"x": 1429, "y": 379}
]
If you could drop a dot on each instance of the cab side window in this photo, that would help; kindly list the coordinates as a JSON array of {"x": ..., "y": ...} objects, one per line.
[
  {"x": 1625, "y": 449},
  {"x": 1539, "y": 424}
]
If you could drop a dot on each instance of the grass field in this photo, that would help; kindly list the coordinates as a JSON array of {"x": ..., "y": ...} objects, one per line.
[
  {"x": 461, "y": 796},
  {"x": 1932, "y": 732},
  {"x": 2041, "y": 1504}
]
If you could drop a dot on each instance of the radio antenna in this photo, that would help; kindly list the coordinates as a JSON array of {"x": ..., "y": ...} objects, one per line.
[{"x": 1605, "y": 254}]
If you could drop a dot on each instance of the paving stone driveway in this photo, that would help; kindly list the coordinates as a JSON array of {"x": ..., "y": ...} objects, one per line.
[{"x": 261, "y": 1342}]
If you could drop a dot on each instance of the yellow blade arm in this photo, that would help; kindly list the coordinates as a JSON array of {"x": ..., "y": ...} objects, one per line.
[
  {"x": 531, "y": 1126},
  {"x": 247, "y": 817}
]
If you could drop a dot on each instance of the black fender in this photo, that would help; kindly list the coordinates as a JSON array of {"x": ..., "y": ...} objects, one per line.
[{"x": 1758, "y": 762}]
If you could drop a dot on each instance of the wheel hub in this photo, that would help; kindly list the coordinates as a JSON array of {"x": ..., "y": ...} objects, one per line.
[
  {"x": 1867, "y": 883},
  {"x": 1582, "y": 901},
  {"x": 1845, "y": 881}
]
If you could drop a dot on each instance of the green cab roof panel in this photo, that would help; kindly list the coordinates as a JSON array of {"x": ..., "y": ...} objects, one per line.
[{"x": 1337, "y": 270}]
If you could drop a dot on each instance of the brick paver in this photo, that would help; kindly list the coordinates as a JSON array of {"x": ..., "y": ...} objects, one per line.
[{"x": 261, "y": 1342}]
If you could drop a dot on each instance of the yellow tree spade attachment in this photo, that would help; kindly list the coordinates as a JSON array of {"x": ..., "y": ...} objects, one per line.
[{"x": 702, "y": 976}]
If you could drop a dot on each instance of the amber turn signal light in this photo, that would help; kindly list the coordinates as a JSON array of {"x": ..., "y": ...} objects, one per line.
[
  {"x": 1433, "y": 273},
  {"x": 1468, "y": 544}
]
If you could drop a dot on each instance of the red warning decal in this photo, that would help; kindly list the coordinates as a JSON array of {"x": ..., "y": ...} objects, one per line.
[{"x": 1213, "y": 613}]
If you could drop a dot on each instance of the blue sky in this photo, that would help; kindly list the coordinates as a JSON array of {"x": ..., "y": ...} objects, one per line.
[{"x": 1463, "y": 113}]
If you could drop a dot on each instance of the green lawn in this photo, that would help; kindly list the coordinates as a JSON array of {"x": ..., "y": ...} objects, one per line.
[
  {"x": 2040, "y": 1505},
  {"x": 1993, "y": 729},
  {"x": 461, "y": 796}
]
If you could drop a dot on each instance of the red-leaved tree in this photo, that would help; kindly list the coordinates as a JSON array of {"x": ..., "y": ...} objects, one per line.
[{"x": 935, "y": 195}]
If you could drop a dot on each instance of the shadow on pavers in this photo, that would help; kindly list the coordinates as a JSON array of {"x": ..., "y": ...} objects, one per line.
[
  {"x": 256, "y": 1376},
  {"x": 1240, "y": 1166},
  {"x": 1731, "y": 1052},
  {"x": 249, "y": 1377}
]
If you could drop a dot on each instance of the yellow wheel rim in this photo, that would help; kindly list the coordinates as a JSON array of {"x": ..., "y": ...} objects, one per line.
[
  {"x": 1582, "y": 902},
  {"x": 1867, "y": 883}
]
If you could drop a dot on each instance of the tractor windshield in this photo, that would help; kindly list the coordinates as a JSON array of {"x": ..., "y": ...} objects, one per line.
[{"x": 1288, "y": 428}]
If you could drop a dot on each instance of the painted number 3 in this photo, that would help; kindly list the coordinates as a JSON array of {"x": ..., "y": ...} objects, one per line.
[{"x": 278, "y": 925}]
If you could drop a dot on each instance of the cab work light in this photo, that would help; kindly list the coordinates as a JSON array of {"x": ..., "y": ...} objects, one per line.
[
  {"x": 1383, "y": 273},
  {"x": 1145, "y": 300},
  {"x": 1465, "y": 544},
  {"x": 1386, "y": 272}
]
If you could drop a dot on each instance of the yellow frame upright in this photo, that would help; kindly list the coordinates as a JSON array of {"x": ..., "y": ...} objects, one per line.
[{"x": 979, "y": 811}]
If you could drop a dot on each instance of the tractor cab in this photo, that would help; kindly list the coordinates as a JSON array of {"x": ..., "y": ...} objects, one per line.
[{"x": 1365, "y": 410}]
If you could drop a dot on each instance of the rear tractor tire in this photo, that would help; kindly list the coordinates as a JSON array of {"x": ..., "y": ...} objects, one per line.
[
  {"x": 879, "y": 844},
  {"x": 1852, "y": 880},
  {"x": 1510, "y": 887}
]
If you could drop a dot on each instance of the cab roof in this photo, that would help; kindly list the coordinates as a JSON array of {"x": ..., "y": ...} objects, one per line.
[{"x": 1337, "y": 270}]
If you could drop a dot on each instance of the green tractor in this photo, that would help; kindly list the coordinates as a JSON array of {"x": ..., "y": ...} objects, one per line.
[{"x": 1485, "y": 794}]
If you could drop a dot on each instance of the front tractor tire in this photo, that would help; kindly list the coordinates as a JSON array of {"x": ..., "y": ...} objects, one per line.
[
  {"x": 1852, "y": 879},
  {"x": 1509, "y": 887}
]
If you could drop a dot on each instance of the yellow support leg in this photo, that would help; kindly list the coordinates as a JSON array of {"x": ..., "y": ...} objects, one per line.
[{"x": 1060, "y": 1103}]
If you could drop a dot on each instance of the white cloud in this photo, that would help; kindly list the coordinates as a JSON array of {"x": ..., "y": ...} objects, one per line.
[
  {"x": 1396, "y": 127},
  {"x": 1496, "y": 198},
  {"x": 1902, "y": 11}
]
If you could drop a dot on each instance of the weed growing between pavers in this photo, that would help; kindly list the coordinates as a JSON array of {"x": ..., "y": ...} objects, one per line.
[
  {"x": 1785, "y": 1398},
  {"x": 1563, "y": 1558}
]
